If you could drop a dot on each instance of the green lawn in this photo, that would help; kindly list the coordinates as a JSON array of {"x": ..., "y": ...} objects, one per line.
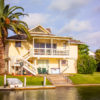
[
  {"x": 86, "y": 78},
  {"x": 31, "y": 80}
]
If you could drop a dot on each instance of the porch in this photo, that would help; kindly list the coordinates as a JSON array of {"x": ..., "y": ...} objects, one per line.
[{"x": 48, "y": 47}]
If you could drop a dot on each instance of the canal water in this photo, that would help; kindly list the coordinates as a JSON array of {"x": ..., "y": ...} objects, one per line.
[{"x": 60, "y": 93}]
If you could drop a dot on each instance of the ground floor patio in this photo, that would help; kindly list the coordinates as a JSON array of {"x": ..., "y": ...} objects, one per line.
[{"x": 47, "y": 66}]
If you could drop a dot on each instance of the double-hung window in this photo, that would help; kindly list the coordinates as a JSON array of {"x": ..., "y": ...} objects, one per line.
[{"x": 18, "y": 44}]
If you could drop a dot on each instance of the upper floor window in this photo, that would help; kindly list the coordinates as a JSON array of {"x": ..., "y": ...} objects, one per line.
[
  {"x": 39, "y": 45},
  {"x": 64, "y": 46},
  {"x": 48, "y": 45},
  {"x": 43, "y": 45},
  {"x": 18, "y": 44},
  {"x": 54, "y": 46}
]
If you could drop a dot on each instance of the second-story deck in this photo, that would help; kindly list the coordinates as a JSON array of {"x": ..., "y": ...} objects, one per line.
[
  {"x": 43, "y": 47},
  {"x": 49, "y": 51}
]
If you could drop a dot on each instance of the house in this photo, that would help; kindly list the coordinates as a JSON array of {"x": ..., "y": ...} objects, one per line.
[{"x": 44, "y": 53}]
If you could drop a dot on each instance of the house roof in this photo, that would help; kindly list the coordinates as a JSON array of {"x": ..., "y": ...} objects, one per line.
[
  {"x": 17, "y": 37},
  {"x": 39, "y": 31},
  {"x": 73, "y": 41}
]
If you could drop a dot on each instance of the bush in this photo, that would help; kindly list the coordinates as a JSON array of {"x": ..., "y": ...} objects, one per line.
[{"x": 86, "y": 65}]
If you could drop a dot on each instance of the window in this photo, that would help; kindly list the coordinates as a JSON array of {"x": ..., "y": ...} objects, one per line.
[
  {"x": 64, "y": 62},
  {"x": 54, "y": 46},
  {"x": 36, "y": 45},
  {"x": 39, "y": 45},
  {"x": 48, "y": 45},
  {"x": 18, "y": 44},
  {"x": 42, "y": 45},
  {"x": 64, "y": 45}
]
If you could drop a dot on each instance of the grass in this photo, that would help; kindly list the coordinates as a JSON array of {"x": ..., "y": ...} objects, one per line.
[
  {"x": 86, "y": 78},
  {"x": 31, "y": 80}
]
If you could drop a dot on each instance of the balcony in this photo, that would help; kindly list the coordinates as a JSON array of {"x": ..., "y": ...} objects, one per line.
[
  {"x": 50, "y": 52},
  {"x": 50, "y": 48}
]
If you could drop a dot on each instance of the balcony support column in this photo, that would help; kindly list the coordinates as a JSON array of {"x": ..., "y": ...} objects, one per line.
[
  {"x": 9, "y": 66},
  {"x": 51, "y": 46},
  {"x": 35, "y": 64},
  {"x": 68, "y": 47},
  {"x": 60, "y": 65}
]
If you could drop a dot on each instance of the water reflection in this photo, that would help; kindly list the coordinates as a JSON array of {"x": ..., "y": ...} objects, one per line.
[{"x": 61, "y": 93}]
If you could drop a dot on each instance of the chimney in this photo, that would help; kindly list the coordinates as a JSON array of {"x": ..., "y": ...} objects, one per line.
[{"x": 48, "y": 29}]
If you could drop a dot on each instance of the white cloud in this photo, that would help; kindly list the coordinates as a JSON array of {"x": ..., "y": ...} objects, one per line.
[
  {"x": 35, "y": 19},
  {"x": 76, "y": 26},
  {"x": 64, "y": 5},
  {"x": 92, "y": 39}
]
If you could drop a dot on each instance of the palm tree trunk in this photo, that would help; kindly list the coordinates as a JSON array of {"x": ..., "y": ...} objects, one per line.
[{"x": 2, "y": 60}]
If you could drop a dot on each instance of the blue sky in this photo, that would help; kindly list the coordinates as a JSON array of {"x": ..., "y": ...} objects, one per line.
[{"x": 79, "y": 19}]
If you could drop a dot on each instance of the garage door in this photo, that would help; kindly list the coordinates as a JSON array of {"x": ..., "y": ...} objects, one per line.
[{"x": 55, "y": 70}]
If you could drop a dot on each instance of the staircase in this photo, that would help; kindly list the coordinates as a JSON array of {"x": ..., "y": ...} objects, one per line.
[
  {"x": 26, "y": 64},
  {"x": 59, "y": 80}
]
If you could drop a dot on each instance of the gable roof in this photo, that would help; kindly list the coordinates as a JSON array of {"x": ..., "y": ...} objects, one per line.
[{"x": 39, "y": 29}]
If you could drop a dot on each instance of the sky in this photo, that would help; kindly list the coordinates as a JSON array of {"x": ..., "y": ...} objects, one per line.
[{"x": 79, "y": 19}]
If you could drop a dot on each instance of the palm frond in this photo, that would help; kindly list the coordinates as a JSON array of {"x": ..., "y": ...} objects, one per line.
[
  {"x": 5, "y": 11},
  {"x": 23, "y": 28},
  {"x": 12, "y": 9},
  {"x": 18, "y": 14},
  {"x": 22, "y": 22},
  {"x": 13, "y": 28}
]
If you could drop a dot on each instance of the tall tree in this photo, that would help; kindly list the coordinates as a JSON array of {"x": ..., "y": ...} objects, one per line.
[
  {"x": 97, "y": 55},
  {"x": 86, "y": 63},
  {"x": 83, "y": 49},
  {"x": 9, "y": 20}
]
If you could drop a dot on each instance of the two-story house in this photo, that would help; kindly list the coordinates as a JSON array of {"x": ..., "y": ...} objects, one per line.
[{"x": 44, "y": 53}]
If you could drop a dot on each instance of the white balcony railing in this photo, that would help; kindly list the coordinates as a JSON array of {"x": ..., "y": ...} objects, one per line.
[{"x": 49, "y": 51}]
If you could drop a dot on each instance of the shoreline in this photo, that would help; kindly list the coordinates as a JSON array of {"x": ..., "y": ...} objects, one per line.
[
  {"x": 44, "y": 87},
  {"x": 27, "y": 88}
]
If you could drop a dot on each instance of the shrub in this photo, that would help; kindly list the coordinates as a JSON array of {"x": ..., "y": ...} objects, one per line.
[{"x": 86, "y": 65}]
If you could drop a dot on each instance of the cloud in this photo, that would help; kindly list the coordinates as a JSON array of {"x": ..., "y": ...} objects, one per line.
[
  {"x": 64, "y": 5},
  {"x": 76, "y": 26},
  {"x": 91, "y": 38},
  {"x": 71, "y": 7},
  {"x": 35, "y": 19}
]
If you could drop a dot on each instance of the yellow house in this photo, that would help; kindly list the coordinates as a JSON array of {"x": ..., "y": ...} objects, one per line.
[{"x": 44, "y": 53}]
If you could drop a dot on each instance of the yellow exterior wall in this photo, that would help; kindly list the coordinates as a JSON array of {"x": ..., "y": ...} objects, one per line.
[
  {"x": 53, "y": 62},
  {"x": 73, "y": 51},
  {"x": 19, "y": 51}
]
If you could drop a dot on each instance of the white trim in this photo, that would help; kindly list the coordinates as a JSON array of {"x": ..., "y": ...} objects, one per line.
[{"x": 9, "y": 67}]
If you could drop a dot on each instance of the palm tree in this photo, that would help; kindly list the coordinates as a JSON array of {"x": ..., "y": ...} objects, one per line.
[{"x": 9, "y": 20}]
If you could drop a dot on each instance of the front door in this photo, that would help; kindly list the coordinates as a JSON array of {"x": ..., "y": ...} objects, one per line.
[{"x": 43, "y": 65}]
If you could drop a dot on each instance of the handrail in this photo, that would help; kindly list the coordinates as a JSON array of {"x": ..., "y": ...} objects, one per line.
[{"x": 49, "y": 51}]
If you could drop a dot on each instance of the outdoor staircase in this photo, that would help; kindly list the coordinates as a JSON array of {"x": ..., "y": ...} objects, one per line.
[
  {"x": 26, "y": 64},
  {"x": 59, "y": 80}
]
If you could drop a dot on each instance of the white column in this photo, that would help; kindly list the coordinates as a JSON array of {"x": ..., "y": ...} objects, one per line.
[
  {"x": 33, "y": 46},
  {"x": 45, "y": 49},
  {"x": 68, "y": 47},
  {"x": 60, "y": 65},
  {"x": 44, "y": 81},
  {"x": 35, "y": 64},
  {"x": 51, "y": 46},
  {"x": 9, "y": 67},
  {"x": 4, "y": 80},
  {"x": 24, "y": 81}
]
